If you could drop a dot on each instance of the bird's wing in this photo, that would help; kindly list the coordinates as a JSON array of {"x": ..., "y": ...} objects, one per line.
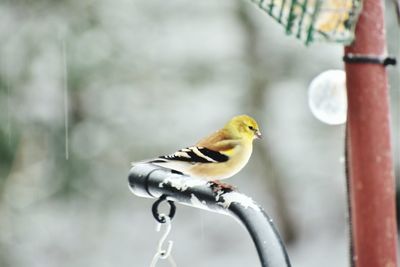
[
  {"x": 220, "y": 141},
  {"x": 216, "y": 148},
  {"x": 213, "y": 149},
  {"x": 193, "y": 155}
]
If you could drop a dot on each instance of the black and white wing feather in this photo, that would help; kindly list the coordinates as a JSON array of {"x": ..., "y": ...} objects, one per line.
[
  {"x": 193, "y": 155},
  {"x": 184, "y": 160}
]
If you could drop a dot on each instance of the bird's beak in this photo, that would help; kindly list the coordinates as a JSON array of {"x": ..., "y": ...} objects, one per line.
[{"x": 258, "y": 135}]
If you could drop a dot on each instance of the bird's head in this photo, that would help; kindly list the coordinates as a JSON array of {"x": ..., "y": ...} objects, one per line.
[{"x": 244, "y": 126}]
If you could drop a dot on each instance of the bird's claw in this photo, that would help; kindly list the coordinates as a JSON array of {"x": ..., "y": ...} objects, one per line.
[{"x": 218, "y": 186}]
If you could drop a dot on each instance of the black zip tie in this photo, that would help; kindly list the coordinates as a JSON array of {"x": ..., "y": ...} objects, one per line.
[
  {"x": 155, "y": 212},
  {"x": 354, "y": 58}
]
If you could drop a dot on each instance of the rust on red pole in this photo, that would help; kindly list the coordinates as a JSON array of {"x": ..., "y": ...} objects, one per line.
[{"x": 372, "y": 184}]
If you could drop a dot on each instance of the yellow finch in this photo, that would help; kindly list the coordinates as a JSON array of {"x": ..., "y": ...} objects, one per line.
[{"x": 218, "y": 156}]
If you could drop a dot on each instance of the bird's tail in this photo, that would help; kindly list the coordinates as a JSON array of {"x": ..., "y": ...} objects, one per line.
[{"x": 154, "y": 161}]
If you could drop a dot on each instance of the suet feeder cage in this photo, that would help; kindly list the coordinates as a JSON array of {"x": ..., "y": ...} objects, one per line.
[{"x": 315, "y": 20}]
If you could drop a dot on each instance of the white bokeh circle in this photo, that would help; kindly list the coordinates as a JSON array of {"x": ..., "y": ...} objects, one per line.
[{"x": 327, "y": 97}]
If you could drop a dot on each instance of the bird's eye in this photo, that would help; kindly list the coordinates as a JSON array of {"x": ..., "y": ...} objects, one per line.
[{"x": 251, "y": 128}]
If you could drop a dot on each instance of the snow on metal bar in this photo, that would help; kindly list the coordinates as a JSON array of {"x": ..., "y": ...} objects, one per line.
[{"x": 147, "y": 180}]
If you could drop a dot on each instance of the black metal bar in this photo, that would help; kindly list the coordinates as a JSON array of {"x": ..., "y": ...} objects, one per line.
[{"x": 147, "y": 180}]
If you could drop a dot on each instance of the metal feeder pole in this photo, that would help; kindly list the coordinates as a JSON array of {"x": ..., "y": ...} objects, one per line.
[
  {"x": 147, "y": 180},
  {"x": 371, "y": 178}
]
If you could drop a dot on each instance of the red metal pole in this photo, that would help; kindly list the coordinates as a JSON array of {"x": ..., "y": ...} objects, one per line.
[{"x": 372, "y": 187}]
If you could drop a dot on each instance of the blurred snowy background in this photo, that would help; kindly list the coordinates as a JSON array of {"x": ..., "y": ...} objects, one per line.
[{"x": 88, "y": 86}]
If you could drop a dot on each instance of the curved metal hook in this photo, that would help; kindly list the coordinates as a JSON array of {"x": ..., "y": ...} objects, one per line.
[{"x": 164, "y": 253}]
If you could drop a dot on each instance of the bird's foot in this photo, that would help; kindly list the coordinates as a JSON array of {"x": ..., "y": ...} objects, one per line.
[{"x": 217, "y": 186}]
